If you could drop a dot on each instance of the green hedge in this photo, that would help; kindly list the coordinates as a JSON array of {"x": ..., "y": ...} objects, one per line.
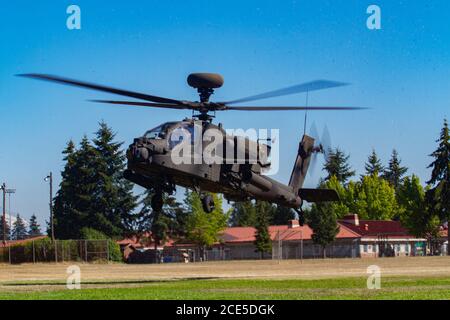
[{"x": 114, "y": 249}]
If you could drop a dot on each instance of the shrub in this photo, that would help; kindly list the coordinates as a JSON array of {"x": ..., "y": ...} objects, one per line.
[{"x": 114, "y": 249}]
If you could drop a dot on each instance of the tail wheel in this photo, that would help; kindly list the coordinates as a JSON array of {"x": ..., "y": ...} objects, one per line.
[{"x": 208, "y": 203}]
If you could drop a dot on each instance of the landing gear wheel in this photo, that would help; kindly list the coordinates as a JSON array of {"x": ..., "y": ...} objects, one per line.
[
  {"x": 208, "y": 203},
  {"x": 157, "y": 202}
]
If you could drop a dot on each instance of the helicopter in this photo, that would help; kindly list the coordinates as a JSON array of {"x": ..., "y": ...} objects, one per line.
[{"x": 152, "y": 164}]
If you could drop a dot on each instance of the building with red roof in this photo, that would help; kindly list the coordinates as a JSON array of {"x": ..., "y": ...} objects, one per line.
[
  {"x": 384, "y": 238},
  {"x": 356, "y": 238}
]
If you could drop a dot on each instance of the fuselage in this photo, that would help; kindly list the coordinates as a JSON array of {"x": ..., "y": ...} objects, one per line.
[{"x": 151, "y": 158}]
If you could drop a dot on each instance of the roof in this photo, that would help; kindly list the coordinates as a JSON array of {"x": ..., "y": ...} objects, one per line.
[
  {"x": 377, "y": 228},
  {"x": 285, "y": 233},
  {"x": 294, "y": 232},
  {"x": 143, "y": 241},
  {"x": 14, "y": 242}
]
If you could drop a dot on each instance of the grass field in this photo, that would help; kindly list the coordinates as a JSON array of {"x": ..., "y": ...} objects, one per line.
[{"x": 402, "y": 278}]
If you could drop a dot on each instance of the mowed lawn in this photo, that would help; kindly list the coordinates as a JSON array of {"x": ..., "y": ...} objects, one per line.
[
  {"x": 231, "y": 289},
  {"x": 401, "y": 278}
]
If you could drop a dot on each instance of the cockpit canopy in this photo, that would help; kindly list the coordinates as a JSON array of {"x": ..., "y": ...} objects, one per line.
[{"x": 160, "y": 132}]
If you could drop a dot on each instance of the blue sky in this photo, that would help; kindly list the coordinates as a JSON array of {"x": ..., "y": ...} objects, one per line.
[{"x": 401, "y": 72}]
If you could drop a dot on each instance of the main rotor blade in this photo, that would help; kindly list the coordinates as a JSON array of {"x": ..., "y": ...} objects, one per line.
[
  {"x": 304, "y": 87},
  {"x": 248, "y": 108},
  {"x": 93, "y": 86},
  {"x": 145, "y": 104}
]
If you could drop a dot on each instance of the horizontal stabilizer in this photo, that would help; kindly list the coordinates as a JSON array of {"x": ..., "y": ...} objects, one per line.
[{"x": 318, "y": 195}]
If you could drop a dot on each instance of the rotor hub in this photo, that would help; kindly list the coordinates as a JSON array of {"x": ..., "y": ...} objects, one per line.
[
  {"x": 205, "y": 83},
  {"x": 205, "y": 80}
]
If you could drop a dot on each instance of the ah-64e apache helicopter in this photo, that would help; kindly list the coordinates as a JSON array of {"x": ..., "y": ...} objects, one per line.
[{"x": 151, "y": 165}]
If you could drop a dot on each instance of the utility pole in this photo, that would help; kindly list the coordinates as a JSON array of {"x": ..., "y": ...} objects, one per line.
[
  {"x": 49, "y": 178},
  {"x": 3, "y": 188},
  {"x": 9, "y": 192}
]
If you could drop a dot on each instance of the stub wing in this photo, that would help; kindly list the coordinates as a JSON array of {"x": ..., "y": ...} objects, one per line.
[{"x": 318, "y": 195}]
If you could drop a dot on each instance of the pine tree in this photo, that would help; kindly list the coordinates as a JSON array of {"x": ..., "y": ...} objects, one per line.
[
  {"x": 438, "y": 196},
  {"x": 85, "y": 212},
  {"x": 19, "y": 231},
  {"x": 282, "y": 215},
  {"x": 93, "y": 192},
  {"x": 114, "y": 194},
  {"x": 65, "y": 219},
  {"x": 34, "y": 228},
  {"x": 5, "y": 224},
  {"x": 337, "y": 165},
  {"x": 373, "y": 165},
  {"x": 322, "y": 220},
  {"x": 394, "y": 172},
  {"x": 263, "y": 242},
  {"x": 243, "y": 214}
]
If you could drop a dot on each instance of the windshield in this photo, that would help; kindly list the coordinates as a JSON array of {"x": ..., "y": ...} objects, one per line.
[
  {"x": 158, "y": 132},
  {"x": 181, "y": 132}
]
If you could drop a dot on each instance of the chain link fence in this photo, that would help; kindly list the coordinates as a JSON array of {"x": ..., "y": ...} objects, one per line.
[{"x": 38, "y": 251}]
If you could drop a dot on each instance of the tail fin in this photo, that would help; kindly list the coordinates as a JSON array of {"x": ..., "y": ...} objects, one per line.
[{"x": 301, "y": 163}]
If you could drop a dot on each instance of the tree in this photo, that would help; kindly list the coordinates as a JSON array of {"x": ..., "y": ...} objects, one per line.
[
  {"x": 243, "y": 214},
  {"x": 168, "y": 222},
  {"x": 84, "y": 211},
  {"x": 340, "y": 208},
  {"x": 263, "y": 242},
  {"x": 282, "y": 215},
  {"x": 93, "y": 192},
  {"x": 374, "y": 199},
  {"x": 438, "y": 196},
  {"x": 204, "y": 228},
  {"x": 394, "y": 172},
  {"x": 64, "y": 201},
  {"x": 34, "y": 228},
  {"x": 114, "y": 194},
  {"x": 8, "y": 231},
  {"x": 416, "y": 216},
  {"x": 337, "y": 165},
  {"x": 373, "y": 164},
  {"x": 19, "y": 231},
  {"x": 322, "y": 220},
  {"x": 370, "y": 198}
]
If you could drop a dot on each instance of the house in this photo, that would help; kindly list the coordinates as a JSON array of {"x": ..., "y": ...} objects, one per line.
[
  {"x": 383, "y": 238},
  {"x": 290, "y": 241},
  {"x": 356, "y": 238}
]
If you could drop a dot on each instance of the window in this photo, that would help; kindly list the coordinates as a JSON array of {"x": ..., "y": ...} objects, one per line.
[
  {"x": 181, "y": 132},
  {"x": 155, "y": 133},
  {"x": 365, "y": 248}
]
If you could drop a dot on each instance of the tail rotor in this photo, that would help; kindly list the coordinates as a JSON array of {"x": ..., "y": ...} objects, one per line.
[{"x": 322, "y": 145}]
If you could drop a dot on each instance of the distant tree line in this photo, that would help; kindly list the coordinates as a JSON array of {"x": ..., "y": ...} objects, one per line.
[{"x": 19, "y": 230}]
